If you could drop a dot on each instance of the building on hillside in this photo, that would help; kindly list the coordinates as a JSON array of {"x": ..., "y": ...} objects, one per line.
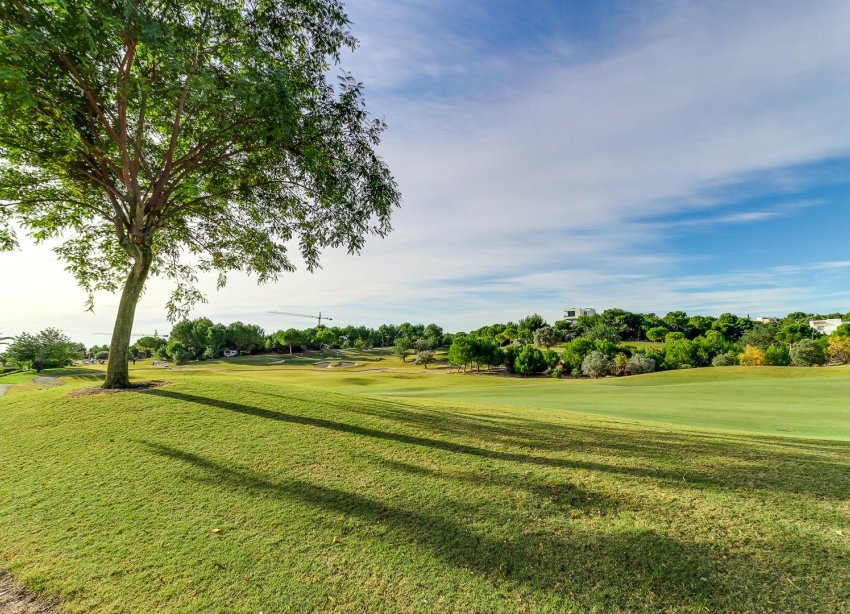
[
  {"x": 826, "y": 327},
  {"x": 571, "y": 314},
  {"x": 766, "y": 320}
]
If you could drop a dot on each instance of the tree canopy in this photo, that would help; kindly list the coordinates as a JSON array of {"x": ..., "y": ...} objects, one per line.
[
  {"x": 50, "y": 347},
  {"x": 173, "y": 138}
]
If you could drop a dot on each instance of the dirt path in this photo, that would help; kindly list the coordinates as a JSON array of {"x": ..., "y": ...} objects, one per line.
[
  {"x": 4, "y": 388},
  {"x": 16, "y": 600},
  {"x": 46, "y": 380}
]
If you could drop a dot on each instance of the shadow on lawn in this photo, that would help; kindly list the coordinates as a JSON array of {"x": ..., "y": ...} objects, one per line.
[
  {"x": 437, "y": 444},
  {"x": 701, "y": 460},
  {"x": 633, "y": 570}
]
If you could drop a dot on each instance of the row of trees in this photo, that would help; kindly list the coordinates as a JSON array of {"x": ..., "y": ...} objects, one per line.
[
  {"x": 617, "y": 325},
  {"x": 202, "y": 339},
  {"x": 49, "y": 348},
  {"x": 579, "y": 357},
  {"x": 594, "y": 344},
  {"x": 405, "y": 338}
]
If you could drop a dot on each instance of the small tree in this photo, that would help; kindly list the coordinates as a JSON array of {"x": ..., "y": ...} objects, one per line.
[
  {"x": 751, "y": 357},
  {"x": 621, "y": 365},
  {"x": 596, "y": 364},
  {"x": 640, "y": 364},
  {"x": 529, "y": 361},
  {"x": 403, "y": 346},
  {"x": 657, "y": 333},
  {"x": 546, "y": 337},
  {"x": 509, "y": 356},
  {"x": 529, "y": 324},
  {"x": 461, "y": 351},
  {"x": 760, "y": 336},
  {"x": 424, "y": 358},
  {"x": 603, "y": 331},
  {"x": 149, "y": 345},
  {"x": 289, "y": 337},
  {"x": 807, "y": 353},
  {"x": 677, "y": 320},
  {"x": 326, "y": 337},
  {"x": 178, "y": 352},
  {"x": 839, "y": 350},
  {"x": 678, "y": 352}
]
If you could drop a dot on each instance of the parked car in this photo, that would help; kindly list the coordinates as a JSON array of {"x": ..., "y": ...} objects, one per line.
[{"x": 231, "y": 353}]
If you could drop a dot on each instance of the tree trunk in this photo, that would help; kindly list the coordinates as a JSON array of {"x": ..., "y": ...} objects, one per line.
[{"x": 117, "y": 371}]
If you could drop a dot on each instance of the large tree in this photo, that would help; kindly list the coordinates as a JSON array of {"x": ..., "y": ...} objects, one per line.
[{"x": 183, "y": 136}]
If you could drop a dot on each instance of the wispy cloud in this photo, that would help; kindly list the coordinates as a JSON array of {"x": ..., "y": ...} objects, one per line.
[{"x": 554, "y": 169}]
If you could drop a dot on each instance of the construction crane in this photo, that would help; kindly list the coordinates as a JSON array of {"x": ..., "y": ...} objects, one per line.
[{"x": 319, "y": 317}]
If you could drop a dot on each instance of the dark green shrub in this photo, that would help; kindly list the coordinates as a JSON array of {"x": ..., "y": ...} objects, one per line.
[{"x": 530, "y": 361}]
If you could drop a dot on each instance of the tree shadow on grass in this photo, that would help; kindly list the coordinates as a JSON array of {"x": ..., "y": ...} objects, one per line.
[
  {"x": 437, "y": 444},
  {"x": 567, "y": 496},
  {"x": 636, "y": 569},
  {"x": 786, "y": 464},
  {"x": 771, "y": 471}
]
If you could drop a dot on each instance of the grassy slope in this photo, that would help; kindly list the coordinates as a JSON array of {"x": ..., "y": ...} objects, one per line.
[
  {"x": 337, "y": 501},
  {"x": 765, "y": 400}
]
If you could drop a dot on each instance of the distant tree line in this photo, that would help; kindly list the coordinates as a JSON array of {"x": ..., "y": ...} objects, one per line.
[
  {"x": 203, "y": 339},
  {"x": 594, "y": 346},
  {"x": 598, "y": 345}
]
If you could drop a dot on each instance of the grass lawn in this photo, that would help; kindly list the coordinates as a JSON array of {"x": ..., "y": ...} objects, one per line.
[
  {"x": 644, "y": 345},
  {"x": 244, "y": 486}
]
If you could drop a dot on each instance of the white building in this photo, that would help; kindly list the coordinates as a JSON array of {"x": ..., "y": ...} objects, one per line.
[
  {"x": 766, "y": 320},
  {"x": 571, "y": 314},
  {"x": 826, "y": 327}
]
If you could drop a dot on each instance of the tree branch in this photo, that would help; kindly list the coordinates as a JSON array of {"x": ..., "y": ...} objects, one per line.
[
  {"x": 91, "y": 97},
  {"x": 130, "y": 179}
]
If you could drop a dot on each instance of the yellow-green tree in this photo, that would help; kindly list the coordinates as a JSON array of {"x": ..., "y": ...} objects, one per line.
[
  {"x": 751, "y": 357},
  {"x": 839, "y": 350}
]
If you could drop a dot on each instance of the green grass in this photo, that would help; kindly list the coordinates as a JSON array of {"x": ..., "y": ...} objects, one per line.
[
  {"x": 247, "y": 487},
  {"x": 20, "y": 377},
  {"x": 644, "y": 345}
]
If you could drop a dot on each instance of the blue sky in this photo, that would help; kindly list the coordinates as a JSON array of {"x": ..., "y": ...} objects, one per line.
[{"x": 650, "y": 156}]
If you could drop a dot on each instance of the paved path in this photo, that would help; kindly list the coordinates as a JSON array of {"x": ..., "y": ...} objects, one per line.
[{"x": 4, "y": 388}]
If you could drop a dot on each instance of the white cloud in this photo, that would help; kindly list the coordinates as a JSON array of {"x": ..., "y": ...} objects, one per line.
[{"x": 546, "y": 183}]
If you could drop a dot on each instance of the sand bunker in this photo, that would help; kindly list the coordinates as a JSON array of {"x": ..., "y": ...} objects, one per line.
[{"x": 333, "y": 365}]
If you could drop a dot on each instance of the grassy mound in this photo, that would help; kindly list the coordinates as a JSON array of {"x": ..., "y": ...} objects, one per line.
[{"x": 221, "y": 494}]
